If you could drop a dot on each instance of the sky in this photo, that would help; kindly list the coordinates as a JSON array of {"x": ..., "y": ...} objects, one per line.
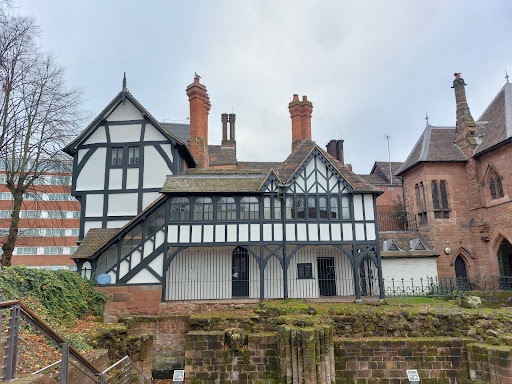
[{"x": 371, "y": 68}]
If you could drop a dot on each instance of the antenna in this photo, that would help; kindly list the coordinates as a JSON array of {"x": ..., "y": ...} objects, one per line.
[{"x": 387, "y": 137}]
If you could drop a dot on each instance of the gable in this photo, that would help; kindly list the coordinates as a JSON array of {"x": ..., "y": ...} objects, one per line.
[
  {"x": 271, "y": 184},
  {"x": 124, "y": 111},
  {"x": 318, "y": 175}
]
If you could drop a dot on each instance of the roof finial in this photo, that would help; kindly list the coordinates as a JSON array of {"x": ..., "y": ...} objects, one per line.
[
  {"x": 506, "y": 75},
  {"x": 196, "y": 76},
  {"x": 124, "y": 83},
  {"x": 426, "y": 116}
]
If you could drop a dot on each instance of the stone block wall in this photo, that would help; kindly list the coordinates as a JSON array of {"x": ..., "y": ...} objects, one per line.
[
  {"x": 490, "y": 364},
  {"x": 131, "y": 299},
  {"x": 209, "y": 361}
]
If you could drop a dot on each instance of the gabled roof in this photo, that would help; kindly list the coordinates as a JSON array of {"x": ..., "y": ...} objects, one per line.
[
  {"x": 121, "y": 98},
  {"x": 404, "y": 242},
  {"x": 94, "y": 240},
  {"x": 289, "y": 167},
  {"x": 435, "y": 144},
  {"x": 382, "y": 168}
]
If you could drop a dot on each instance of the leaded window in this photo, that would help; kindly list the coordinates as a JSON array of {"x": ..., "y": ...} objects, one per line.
[
  {"x": 117, "y": 157},
  {"x": 300, "y": 207},
  {"x": 107, "y": 260},
  {"x": 289, "y": 208},
  {"x": 155, "y": 221},
  {"x": 180, "y": 208},
  {"x": 420, "y": 200},
  {"x": 440, "y": 200},
  {"x": 203, "y": 209},
  {"x": 345, "y": 208},
  {"x": 226, "y": 208},
  {"x": 133, "y": 155},
  {"x": 312, "y": 208},
  {"x": 249, "y": 208},
  {"x": 304, "y": 271},
  {"x": 277, "y": 208},
  {"x": 267, "y": 208},
  {"x": 322, "y": 207},
  {"x": 334, "y": 210}
]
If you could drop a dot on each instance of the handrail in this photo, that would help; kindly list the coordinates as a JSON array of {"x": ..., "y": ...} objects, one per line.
[{"x": 32, "y": 318}]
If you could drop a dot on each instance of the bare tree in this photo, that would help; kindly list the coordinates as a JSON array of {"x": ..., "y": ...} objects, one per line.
[{"x": 40, "y": 115}]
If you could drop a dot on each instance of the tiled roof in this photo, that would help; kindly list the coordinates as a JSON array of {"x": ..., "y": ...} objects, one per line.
[
  {"x": 403, "y": 241},
  {"x": 374, "y": 179},
  {"x": 213, "y": 183},
  {"x": 288, "y": 168},
  {"x": 94, "y": 240},
  {"x": 382, "y": 167},
  {"x": 179, "y": 130},
  {"x": 435, "y": 144},
  {"x": 220, "y": 155},
  {"x": 498, "y": 116},
  {"x": 258, "y": 165}
]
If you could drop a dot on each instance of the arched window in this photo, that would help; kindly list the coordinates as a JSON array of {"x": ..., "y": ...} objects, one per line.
[
  {"x": 180, "y": 208},
  {"x": 226, "y": 208},
  {"x": 249, "y": 208},
  {"x": 203, "y": 208}
]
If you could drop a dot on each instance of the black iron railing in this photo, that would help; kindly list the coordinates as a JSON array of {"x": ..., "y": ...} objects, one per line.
[{"x": 396, "y": 221}]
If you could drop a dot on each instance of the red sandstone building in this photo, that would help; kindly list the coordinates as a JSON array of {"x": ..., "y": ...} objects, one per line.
[
  {"x": 49, "y": 221},
  {"x": 458, "y": 183}
]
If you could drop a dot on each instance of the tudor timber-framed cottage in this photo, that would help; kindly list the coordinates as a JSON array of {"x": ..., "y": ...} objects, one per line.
[{"x": 219, "y": 228}]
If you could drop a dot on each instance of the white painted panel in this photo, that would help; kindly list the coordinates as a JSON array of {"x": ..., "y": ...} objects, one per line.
[
  {"x": 255, "y": 232},
  {"x": 358, "y": 207},
  {"x": 151, "y": 134},
  {"x": 125, "y": 133},
  {"x": 159, "y": 238},
  {"x": 208, "y": 233},
  {"x": 267, "y": 232},
  {"x": 278, "y": 232},
  {"x": 167, "y": 150},
  {"x": 81, "y": 154},
  {"x": 313, "y": 232},
  {"x": 155, "y": 168},
  {"x": 196, "y": 234},
  {"x": 231, "y": 232},
  {"x": 158, "y": 264},
  {"x": 290, "y": 232},
  {"x": 122, "y": 204},
  {"x": 143, "y": 277},
  {"x": 334, "y": 184},
  {"x": 347, "y": 232},
  {"x": 360, "y": 232},
  {"x": 91, "y": 224},
  {"x": 113, "y": 278},
  {"x": 92, "y": 175},
  {"x": 303, "y": 288},
  {"x": 344, "y": 272},
  {"x": 132, "y": 178},
  {"x": 94, "y": 205},
  {"x": 368, "y": 207},
  {"x": 98, "y": 136},
  {"x": 148, "y": 248},
  {"x": 336, "y": 232},
  {"x": 136, "y": 258},
  {"x": 184, "y": 233},
  {"x": 149, "y": 197},
  {"x": 243, "y": 232},
  {"x": 115, "y": 179},
  {"x": 273, "y": 279},
  {"x": 302, "y": 234},
  {"x": 300, "y": 184},
  {"x": 254, "y": 278},
  {"x": 117, "y": 223},
  {"x": 324, "y": 232},
  {"x": 172, "y": 233},
  {"x": 123, "y": 268},
  {"x": 126, "y": 111},
  {"x": 370, "y": 231},
  {"x": 220, "y": 233},
  {"x": 407, "y": 268}
]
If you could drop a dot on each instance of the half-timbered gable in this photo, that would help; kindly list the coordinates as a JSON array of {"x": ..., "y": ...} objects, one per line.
[{"x": 120, "y": 163}]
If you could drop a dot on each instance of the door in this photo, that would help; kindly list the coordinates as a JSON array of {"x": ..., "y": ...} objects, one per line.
[
  {"x": 505, "y": 263},
  {"x": 461, "y": 274},
  {"x": 326, "y": 276},
  {"x": 240, "y": 273}
]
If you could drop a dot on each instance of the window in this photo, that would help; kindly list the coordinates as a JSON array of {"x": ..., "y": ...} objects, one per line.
[
  {"x": 277, "y": 208},
  {"x": 180, "y": 208},
  {"x": 496, "y": 187},
  {"x": 155, "y": 221},
  {"x": 289, "y": 207},
  {"x": 117, "y": 157},
  {"x": 249, "y": 208},
  {"x": 53, "y": 250},
  {"x": 300, "y": 207},
  {"x": 304, "y": 271},
  {"x": 267, "y": 208},
  {"x": 312, "y": 208},
  {"x": 26, "y": 251},
  {"x": 441, "y": 210},
  {"x": 322, "y": 207},
  {"x": 203, "y": 209},
  {"x": 334, "y": 213},
  {"x": 226, "y": 208},
  {"x": 133, "y": 155},
  {"x": 420, "y": 200},
  {"x": 345, "y": 207}
]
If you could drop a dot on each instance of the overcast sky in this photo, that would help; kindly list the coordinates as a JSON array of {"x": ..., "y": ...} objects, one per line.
[{"x": 370, "y": 67}]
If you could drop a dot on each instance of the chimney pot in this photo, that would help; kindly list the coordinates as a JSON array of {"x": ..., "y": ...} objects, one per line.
[
  {"x": 224, "y": 119},
  {"x": 457, "y": 75},
  {"x": 295, "y": 97},
  {"x": 304, "y": 98},
  {"x": 232, "y": 118}
]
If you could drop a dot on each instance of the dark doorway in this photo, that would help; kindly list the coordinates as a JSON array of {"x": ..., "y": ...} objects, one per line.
[
  {"x": 461, "y": 274},
  {"x": 505, "y": 262},
  {"x": 326, "y": 276},
  {"x": 367, "y": 272},
  {"x": 240, "y": 272}
]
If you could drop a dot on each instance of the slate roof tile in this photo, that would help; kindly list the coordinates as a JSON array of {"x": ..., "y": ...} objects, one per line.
[
  {"x": 94, "y": 240},
  {"x": 402, "y": 240}
]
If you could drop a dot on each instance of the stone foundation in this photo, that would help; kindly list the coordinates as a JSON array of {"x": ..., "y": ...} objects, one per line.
[{"x": 490, "y": 364}]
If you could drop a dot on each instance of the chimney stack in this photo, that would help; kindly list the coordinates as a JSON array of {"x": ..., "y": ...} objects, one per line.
[
  {"x": 228, "y": 142},
  {"x": 335, "y": 149},
  {"x": 232, "y": 118},
  {"x": 466, "y": 127},
  {"x": 199, "y": 109},
  {"x": 300, "y": 113},
  {"x": 224, "y": 119}
]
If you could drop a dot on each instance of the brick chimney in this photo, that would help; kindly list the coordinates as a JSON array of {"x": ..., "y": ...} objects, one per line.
[
  {"x": 228, "y": 142},
  {"x": 300, "y": 113},
  {"x": 199, "y": 109},
  {"x": 335, "y": 149},
  {"x": 466, "y": 127},
  {"x": 224, "y": 119}
]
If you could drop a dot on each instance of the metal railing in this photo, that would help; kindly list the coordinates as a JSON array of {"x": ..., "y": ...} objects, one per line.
[
  {"x": 13, "y": 312},
  {"x": 396, "y": 221},
  {"x": 445, "y": 286}
]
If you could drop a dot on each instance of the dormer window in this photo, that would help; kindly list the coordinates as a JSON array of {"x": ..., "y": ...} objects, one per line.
[
  {"x": 417, "y": 245},
  {"x": 390, "y": 246}
]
